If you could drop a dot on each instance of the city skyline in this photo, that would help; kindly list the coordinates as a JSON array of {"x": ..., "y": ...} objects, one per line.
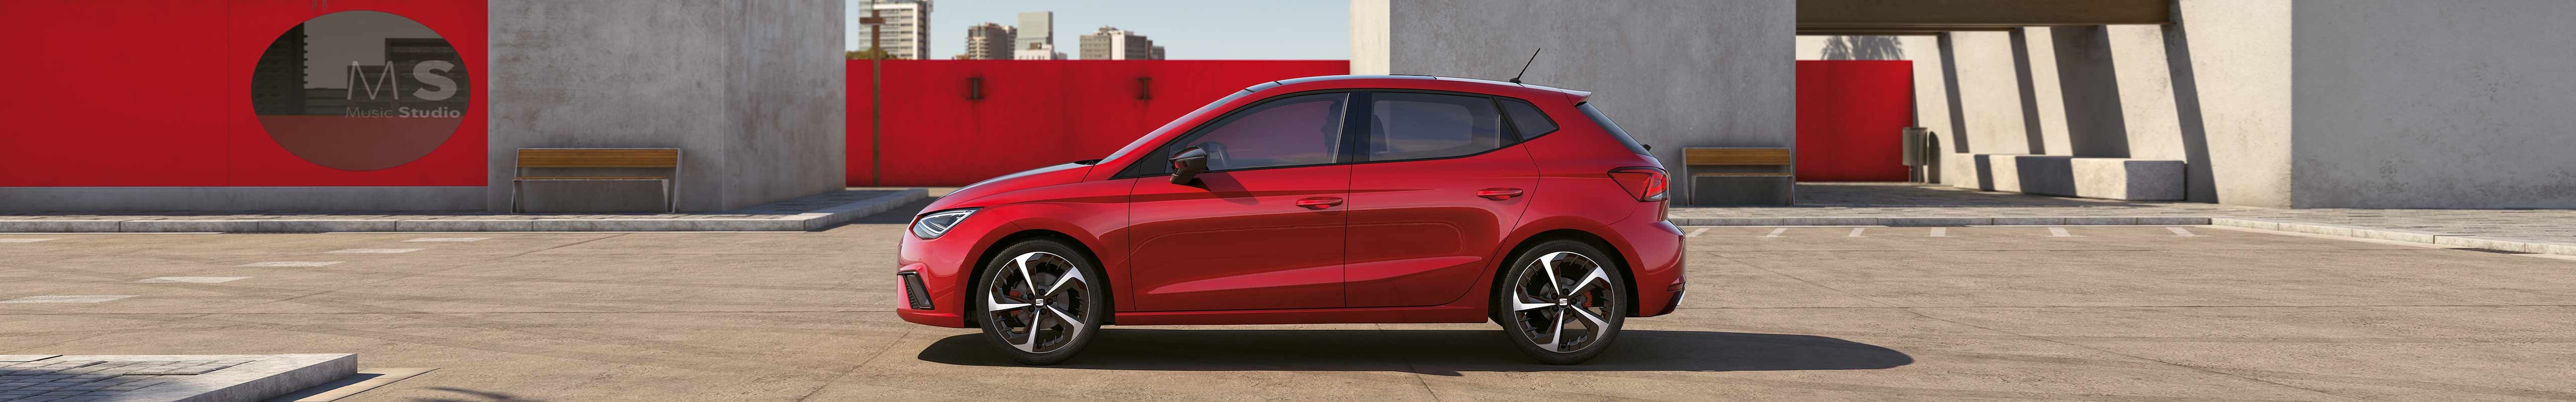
[{"x": 1222, "y": 30}]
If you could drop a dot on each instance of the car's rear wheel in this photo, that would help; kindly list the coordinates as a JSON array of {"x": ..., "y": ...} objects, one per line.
[
  {"x": 1038, "y": 302},
  {"x": 1562, "y": 302}
]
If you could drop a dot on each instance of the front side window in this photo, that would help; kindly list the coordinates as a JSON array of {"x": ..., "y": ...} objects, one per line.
[
  {"x": 1424, "y": 126},
  {"x": 1292, "y": 131}
]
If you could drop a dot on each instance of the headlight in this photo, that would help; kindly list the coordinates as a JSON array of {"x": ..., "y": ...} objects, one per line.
[{"x": 937, "y": 223}]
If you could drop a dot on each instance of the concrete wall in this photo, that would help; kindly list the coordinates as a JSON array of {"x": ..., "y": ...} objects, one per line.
[
  {"x": 751, "y": 91},
  {"x": 346, "y": 198},
  {"x": 1674, "y": 73},
  {"x": 2451, "y": 104}
]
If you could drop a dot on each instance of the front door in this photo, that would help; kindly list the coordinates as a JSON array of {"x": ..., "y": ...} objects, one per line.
[{"x": 1263, "y": 228}]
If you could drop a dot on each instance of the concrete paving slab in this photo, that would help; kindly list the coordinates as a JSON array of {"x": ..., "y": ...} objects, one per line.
[{"x": 801, "y": 214}]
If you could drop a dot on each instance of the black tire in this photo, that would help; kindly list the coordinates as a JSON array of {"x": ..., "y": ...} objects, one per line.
[
  {"x": 1046, "y": 296},
  {"x": 1541, "y": 318}
]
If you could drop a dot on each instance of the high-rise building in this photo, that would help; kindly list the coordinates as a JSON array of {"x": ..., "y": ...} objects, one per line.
[
  {"x": 1036, "y": 27},
  {"x": 904, "y": 35},
  {"x": 989, "y": 41},
  {"x": 1111, "y": 43},
  {"x": 1038, "y": 51},
  {"x": 1158, "y": 53}
]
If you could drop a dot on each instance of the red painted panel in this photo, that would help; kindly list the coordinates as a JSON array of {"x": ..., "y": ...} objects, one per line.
[
  {"x": 1850, "y": 113},
  {"x": 1033, "y": 113},
  {"x": 157, "y": 93}
]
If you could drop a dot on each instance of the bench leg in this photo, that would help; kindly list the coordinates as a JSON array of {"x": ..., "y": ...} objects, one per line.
[
  {"x": 670, "y": 204},
  {"x": 514, "y": 196}
]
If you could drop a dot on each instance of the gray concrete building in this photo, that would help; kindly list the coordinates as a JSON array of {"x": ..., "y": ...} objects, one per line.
[
  {"x": 989, "y": 41},
  {"x": 750, "y": 91},
  {"x": 1036, "y": 28},
  {"x": 1111, "y": 43},
  {"x": 2275, "y": 103}
]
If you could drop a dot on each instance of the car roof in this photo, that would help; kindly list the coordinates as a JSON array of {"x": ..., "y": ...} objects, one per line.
[{"x": 1576, "y": 95}]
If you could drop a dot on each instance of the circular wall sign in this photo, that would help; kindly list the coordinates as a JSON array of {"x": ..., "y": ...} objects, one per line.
[{"x": 359, "y": 90}]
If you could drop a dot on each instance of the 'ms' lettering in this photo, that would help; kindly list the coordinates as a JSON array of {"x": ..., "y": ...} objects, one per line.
[{"x": 427, "y": 73}]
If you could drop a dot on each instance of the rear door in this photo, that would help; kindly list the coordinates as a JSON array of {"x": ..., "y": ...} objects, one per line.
[{"x": 1436, "y": 187}]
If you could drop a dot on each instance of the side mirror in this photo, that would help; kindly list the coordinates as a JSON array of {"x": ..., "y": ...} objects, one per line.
[{"x": 1187, "y": 165}]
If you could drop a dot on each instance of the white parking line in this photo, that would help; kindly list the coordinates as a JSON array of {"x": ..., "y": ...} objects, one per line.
[
  {"x": 2181, "y": 232},
  {"x": 290, "y": 264},
  {"x": 67, "y": 299},
  {"x": 448, "y": 239},
  {"x": 376, "y": 250},
  {"x": 22, "y": 240},
  {"x": 2059, "y": 232},
  {"x": 1775, "y": 232},
  {"x": 1940, "y": 232},
  {"x": 1856, "y": 232},
  {"x": 1696, "y": 232},
  {"x": 193, "y": 279}
]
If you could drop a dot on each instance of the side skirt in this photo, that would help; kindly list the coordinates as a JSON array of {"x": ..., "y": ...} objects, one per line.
[{"x": 1360, "y": 315}]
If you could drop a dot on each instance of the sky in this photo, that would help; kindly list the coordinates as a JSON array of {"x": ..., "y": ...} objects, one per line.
[{"x": 1187, "y": 29}]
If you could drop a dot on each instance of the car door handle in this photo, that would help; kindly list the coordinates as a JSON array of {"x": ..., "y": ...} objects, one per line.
[
  {"x": 1319, "y": 202},
  {"x": 1499, "y": 193}
]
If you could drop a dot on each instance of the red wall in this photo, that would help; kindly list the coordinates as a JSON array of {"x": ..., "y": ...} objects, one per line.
[
  {"x": 1033, "y": 113},
  {"x": 1850, "y": 113},
  {"x": 157, "y": 93}
]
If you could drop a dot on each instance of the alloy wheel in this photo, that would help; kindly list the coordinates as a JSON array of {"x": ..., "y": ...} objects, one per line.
[
  {"x": 1039, "y": 302},
  {"x": 1563, "y": 302}
]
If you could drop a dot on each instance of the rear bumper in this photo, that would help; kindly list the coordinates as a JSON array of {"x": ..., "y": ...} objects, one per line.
[{"x": 1655, "y": 257}]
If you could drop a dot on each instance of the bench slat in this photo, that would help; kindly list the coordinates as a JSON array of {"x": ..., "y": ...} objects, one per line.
[
  {"x": 1735, "y": 156},
  {"x": 598, "y": 158}
]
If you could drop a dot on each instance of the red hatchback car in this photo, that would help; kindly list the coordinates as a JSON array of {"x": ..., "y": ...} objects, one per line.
[{"x": 1338, "y": 199}]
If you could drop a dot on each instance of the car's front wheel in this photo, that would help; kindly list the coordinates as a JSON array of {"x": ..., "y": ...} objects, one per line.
[
  {"x": 1562, "y": 302},
  {"x": 1039, "y": 303}
]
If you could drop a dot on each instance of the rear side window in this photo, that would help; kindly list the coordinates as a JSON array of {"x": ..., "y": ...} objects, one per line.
[
  {"x": 1527, "y": 119},
  {"x": 1613, "y": 128},
  {"x": 1407, "y": 125}
]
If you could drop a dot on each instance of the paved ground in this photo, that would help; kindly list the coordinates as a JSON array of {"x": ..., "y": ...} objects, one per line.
[
  {"x": 2557, "y": 226},
  {"x": 1794, "y": 314},
  {"x": 797, "y": 214}
]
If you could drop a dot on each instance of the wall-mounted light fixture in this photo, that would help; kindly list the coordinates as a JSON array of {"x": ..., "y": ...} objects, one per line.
[
  {"x": 974, "y": 88},
  {"x": 1145, "y": 88}
]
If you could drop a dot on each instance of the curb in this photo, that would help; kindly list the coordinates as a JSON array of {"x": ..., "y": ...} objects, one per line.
[
  {"x": 1945, "y": 221},
  {"x": 2519, "y": 246},
  {"x": 811, "y": 221}
]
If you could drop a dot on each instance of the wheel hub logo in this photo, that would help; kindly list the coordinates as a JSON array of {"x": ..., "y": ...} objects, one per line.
[{"x": 360, "y": 90}]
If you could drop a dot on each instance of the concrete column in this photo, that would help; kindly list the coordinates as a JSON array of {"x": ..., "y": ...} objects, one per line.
[
  {"x": 1987, "y": 90},
  {"x": 2043, "y": 108},
  {"x": 751, "y": 91},
  {"x": 2230, "y": 62},
  {"x": 1673, "y": 73}
]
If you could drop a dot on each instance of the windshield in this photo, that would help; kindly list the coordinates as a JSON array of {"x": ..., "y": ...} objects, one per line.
[{"x": 1194, "y": 114}]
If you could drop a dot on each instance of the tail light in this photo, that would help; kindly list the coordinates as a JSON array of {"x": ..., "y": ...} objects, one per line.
[{"x": 1647, "y": 183}]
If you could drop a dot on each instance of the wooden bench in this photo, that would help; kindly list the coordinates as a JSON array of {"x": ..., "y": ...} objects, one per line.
[
  {"x": 597, "y": 158},
  {"x": 1768, "y": 173}
]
